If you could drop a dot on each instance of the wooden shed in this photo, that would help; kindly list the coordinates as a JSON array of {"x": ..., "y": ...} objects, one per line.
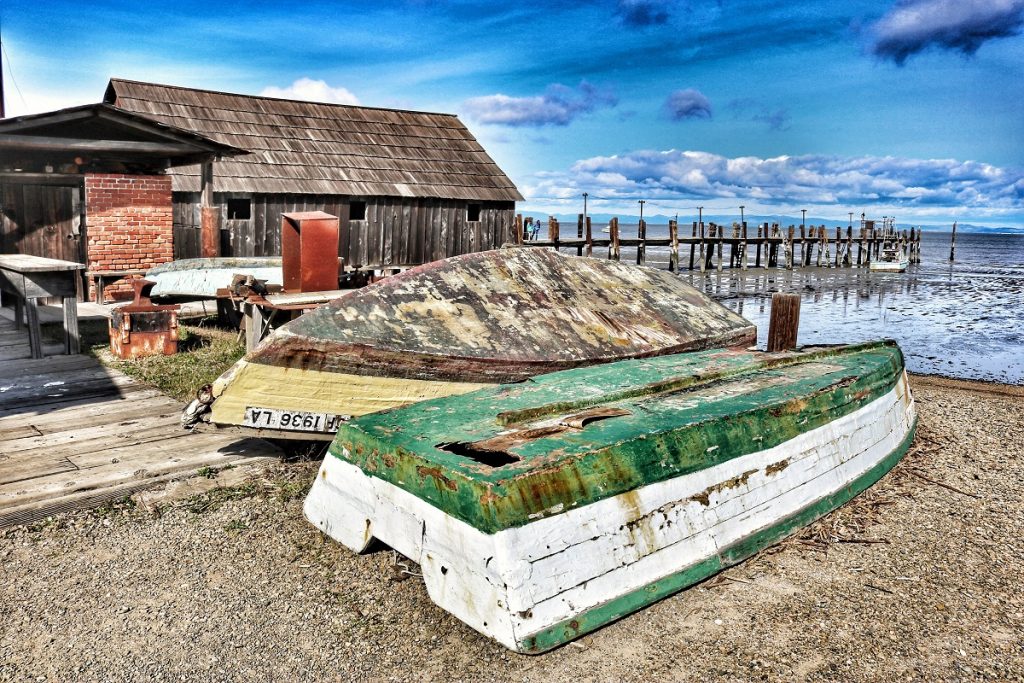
[{"x": 409, "y": 187}]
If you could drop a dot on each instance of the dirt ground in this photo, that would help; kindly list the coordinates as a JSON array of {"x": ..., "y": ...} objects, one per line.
[{"x": 918, "y": 579}]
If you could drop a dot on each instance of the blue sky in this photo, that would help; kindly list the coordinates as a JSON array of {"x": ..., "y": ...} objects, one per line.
[{"x": 909, "y": 108}]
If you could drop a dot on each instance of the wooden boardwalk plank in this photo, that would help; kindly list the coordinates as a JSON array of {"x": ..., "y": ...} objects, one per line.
[
  {"x": 83, "y": 431},
  {"x": 74, "y": 433}
]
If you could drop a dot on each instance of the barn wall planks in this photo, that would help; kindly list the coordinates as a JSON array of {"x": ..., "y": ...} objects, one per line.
[
  {"x": 41, "y": 219},
  {"x": 395, "y": 232}
]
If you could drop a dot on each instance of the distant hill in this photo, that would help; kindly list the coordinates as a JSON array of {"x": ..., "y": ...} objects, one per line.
[{"x": 755, "y": 219}]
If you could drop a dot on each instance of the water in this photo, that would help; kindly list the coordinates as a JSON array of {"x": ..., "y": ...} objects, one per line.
[{"x": 964, "y": 319}]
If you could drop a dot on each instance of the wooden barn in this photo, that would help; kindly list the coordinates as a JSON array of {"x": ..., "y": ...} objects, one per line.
[{"x": 409, "y": 187}]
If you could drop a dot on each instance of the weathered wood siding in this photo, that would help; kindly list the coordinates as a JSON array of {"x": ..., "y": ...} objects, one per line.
[
  {"x": 396, "y": 231},
  {"x": 41, "y": 219}
]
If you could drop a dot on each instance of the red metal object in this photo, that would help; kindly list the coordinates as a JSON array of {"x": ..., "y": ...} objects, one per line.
[
  {"x": 143, "y": 328},
  {"x": 309, "y": 251}
]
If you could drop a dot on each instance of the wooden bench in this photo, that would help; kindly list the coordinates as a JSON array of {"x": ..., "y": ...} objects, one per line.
[{"x": 96, "y": 279}]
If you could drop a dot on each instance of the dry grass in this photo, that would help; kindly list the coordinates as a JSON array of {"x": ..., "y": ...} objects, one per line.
[{"x": 204, "y": 353}]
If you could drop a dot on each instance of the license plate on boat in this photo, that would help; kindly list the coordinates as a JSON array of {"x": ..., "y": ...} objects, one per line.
[{"x": 292, "y": 420}]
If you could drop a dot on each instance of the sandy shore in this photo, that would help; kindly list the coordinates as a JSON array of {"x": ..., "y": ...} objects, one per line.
[{"x": 917, "y": 579}]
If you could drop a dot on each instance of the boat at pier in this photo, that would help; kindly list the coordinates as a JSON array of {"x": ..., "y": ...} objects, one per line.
[
  {"x": 457, "y": 325},
  {"x": 893, "y": 259},
  {"x": 542, "y": 510}
]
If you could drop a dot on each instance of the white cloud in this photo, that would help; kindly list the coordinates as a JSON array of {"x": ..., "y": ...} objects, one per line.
[
  {"x": 558, "y": 106},
  {"x": 685, "y": 177},
  {"x": 310, "y": 90}
]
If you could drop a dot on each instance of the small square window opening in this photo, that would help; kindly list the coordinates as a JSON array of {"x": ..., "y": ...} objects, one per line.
[
  {"x": 357, "y": 211},
  {"x": 473, "y": 213},
  {"x": 239, "y": 209}
]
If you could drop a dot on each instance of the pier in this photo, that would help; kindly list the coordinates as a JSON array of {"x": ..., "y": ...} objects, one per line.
[{"x": 710, "y": 246}]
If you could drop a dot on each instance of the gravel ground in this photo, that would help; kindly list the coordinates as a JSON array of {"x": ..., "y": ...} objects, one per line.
[{"x": 911, "y": 581}]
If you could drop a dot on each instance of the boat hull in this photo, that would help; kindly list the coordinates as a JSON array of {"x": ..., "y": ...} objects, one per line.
[
  {"x": 200, "y": 278},
  {"x": 890, "y": 266},
  {"x": 454, "y": 326},
  {"x": 557, "y": 571}
]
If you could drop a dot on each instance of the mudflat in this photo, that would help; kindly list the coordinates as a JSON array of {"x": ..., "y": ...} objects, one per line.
[{"x": 918, "y": 578}]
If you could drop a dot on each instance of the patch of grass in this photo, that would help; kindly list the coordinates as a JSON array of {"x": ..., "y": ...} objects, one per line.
[
  {"x": 212, "y": 472},
  {"x": 204, "y": 353},
  {"x": 236, "y": 525}
]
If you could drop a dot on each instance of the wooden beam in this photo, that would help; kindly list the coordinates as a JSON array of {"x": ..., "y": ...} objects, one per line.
[{"x": 51, "y": 143}]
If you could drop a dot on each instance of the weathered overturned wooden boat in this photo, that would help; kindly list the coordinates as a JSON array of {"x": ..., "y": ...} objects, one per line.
[
  {"x": 457, "y": 325},
  {"x": 543, "y": 510},
  {"x": 200, "y": 278}
]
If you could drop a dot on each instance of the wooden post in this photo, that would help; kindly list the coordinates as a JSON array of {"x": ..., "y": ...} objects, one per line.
[
  {"x": 952, "y": 244},
  {"x": 703, "y": 263},
  {"x": 590, "y": 238},
  {"x": 860, "y": 247},
  {"x": 784, "y": 322},
  {"x": 641, "y": 249},
  {"x": 72, "y": 345},
  {"x": 209, "y": 215},
  {"x": 579, "y": 233},
  {"x": 822, "y": 245},
  {"x": 839, "y": 244},
  {"x": 848, "y": 256},
  {"x": 743, "y": 246},
  {"x": 519, "y": 228},
  {"x": 692, "y": 245},
  {"x": 734, "y": 247},
  {"x": 789, "y": 248},
  {"x": 553, "y": 231},
  {"x": 721, "y": 234},
  {"x": 757, "y": 254},
  {"x": 673, "y": 239},
  {"x": 613, "y": 233}
]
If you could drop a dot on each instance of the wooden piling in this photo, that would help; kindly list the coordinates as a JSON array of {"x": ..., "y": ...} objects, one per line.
[
  {"x": 673, "y": 239},
  {"x": 743, "y": 245},
  {"x": 848, "y": 256},
  {"x": 641, "y": 248},
  {"x": 579, "y": 233},
  {"x": 692, "y": 245},
  {"x": 613, "y": 233},
  {"x": 788, "y": 248},
  {"x": 590, "y": 238},
  {"x": 952, "y": 244},
  {"x": 517, "y": 238},
  {"x": 721, "y": 234},
  {"x": 703, "y": 263},
  {"x": 757, "y": 256},
  {"x": 784, "y": 321},
  {"x": 553, "y": 231}
]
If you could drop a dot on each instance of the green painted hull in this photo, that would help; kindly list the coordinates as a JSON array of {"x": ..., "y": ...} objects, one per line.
[{"x": 505, "y": 456}]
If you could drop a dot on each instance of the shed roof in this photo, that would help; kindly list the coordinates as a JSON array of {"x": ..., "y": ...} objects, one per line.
[
  {"x": 315, "y": 148},
  {"x": 105, "y": 131}
]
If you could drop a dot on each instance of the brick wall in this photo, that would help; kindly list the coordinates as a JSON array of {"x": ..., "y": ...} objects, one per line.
[{"x": 129, "y": 224}]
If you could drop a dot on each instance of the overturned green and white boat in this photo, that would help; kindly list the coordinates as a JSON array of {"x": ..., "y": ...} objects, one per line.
[{"x": 542, "y": 510}]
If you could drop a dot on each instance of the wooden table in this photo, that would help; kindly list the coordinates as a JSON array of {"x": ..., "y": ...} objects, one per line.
[
  {"x": 30, "y": 278},
  {"x": 259, "y": 311}
]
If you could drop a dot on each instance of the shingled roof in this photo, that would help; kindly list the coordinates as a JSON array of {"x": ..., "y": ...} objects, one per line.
[{"x": 314, "y": 148}]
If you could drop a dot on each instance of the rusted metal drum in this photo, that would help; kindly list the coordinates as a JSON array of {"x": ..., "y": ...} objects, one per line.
[{"x": 143, "y": 328}]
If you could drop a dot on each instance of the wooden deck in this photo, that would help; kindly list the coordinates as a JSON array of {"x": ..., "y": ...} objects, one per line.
[{"x": 75, "y": 434}]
